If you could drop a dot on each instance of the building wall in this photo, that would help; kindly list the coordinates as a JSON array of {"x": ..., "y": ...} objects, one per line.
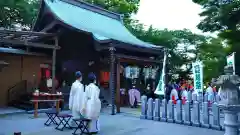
[
  {"x": 19, "y": 68},
  {"x": 79, "y": 48}
]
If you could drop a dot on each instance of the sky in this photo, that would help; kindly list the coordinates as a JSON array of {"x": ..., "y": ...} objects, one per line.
[{"x": 170, "y": 14}]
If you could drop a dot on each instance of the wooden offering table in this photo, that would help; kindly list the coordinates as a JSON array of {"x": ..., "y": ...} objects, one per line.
[{"x": 46, "y": 97}]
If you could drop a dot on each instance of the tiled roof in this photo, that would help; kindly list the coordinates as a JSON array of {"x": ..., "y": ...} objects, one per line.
[{"x": 101, "y": 25}]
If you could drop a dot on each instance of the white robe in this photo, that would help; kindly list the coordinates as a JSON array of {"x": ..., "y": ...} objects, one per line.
[
  {"x": 76, "y": 99},
  {"x": 210, "y": 93},
  {"x": 93, "y": 106},
  {"x": 184, "y": 94}
]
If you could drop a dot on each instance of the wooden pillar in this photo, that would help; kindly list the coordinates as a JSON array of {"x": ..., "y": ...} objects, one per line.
[
  {"x": 112, "y": 77},
  {"x": 54, "y": 66},
  {"x": 35, "y": 109},
  {"x": 118, "y": 87},
  {"x": 58, "y": 105},
  {"x": 22, "y": 70}
]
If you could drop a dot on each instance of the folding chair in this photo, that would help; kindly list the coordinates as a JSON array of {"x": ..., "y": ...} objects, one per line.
[
  {"x": 51, "y": 117},
  {"x": 82, "y": 125},
  {"x": 64, "y": 121}
]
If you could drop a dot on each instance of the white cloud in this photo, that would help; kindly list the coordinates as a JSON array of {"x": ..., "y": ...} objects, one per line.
[{"x": 171, "y": 14}]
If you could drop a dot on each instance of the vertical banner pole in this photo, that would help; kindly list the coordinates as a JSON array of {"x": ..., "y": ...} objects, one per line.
[
  {"x": 197, "y": 68},
  {"x": 164, "y": 73},
  {"x": 234, "y": 64},
  {"x": 160, "y": 89}
]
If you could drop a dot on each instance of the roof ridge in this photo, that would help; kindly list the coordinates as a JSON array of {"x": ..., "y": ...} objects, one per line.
[{"x": 94, "y": 8}]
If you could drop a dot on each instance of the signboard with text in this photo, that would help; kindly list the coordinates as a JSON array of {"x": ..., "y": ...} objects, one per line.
[{"x": 198, "y": 76}]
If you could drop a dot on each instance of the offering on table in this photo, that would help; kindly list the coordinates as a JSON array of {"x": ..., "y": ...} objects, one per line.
[{"x": 36, "y": 93}]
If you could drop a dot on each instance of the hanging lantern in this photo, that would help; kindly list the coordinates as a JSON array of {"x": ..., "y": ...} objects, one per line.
[
  {"x": 104, "y": 77},
  {"x": 121, "y": 69}
]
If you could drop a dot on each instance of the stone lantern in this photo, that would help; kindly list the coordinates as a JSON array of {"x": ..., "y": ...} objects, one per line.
[{"x": 230, "y": 100}]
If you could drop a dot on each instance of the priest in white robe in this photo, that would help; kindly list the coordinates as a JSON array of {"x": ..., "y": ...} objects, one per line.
[
  {"x": 76, "y": 98},
  {"x": 92, "y": 104}
]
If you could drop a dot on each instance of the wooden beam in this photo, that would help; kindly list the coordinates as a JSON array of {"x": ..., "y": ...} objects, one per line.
[
  {"x": 127, "y": 58},
  {"x": 10, "y": 36},
  {"x": 49, "y": 26},
  {"x": 44, "y": 30},
  {"x": 29, "y": 44},
  {"x": 126, "y": 46},
  {"x": 26, "y": 33}
]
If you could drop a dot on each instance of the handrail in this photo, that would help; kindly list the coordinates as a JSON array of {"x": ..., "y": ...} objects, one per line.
[
  {"x": 15, "y": 91},
  {"x": 15, "y": 85}
]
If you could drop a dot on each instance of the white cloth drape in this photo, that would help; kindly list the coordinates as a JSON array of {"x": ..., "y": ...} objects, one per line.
[{"x": 127, "y": 72}]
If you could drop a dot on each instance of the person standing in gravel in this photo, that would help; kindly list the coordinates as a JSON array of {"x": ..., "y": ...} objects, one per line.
[
  {"x": 77, "y": 97},
  {"x": 92, "y": 104}
]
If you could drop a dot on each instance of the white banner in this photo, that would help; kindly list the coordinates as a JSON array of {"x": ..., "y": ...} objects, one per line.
[
  {"x": 161, "y": 85},
  {"x": 197, "y": 68},
  {"x": 231, "y": 61}
]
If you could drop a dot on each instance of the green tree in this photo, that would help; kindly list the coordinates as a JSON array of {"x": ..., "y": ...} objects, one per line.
[
  {"x": 185, "y": 47},
  {"x": 177, "y": 41},
  {"x": 213, "y": 55},
  {"x": 125, "y": 7},
  {"x": 24, "y": 12},
  {"x": 223, "y": 18},
  {"x": 14, "y": 12}
]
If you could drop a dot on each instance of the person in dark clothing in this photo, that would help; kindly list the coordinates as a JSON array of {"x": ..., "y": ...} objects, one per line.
[
  {"x": 168, "y": 91},
  {"x": 177, "y": 87},
  {"x": 148, "y": 91}
]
